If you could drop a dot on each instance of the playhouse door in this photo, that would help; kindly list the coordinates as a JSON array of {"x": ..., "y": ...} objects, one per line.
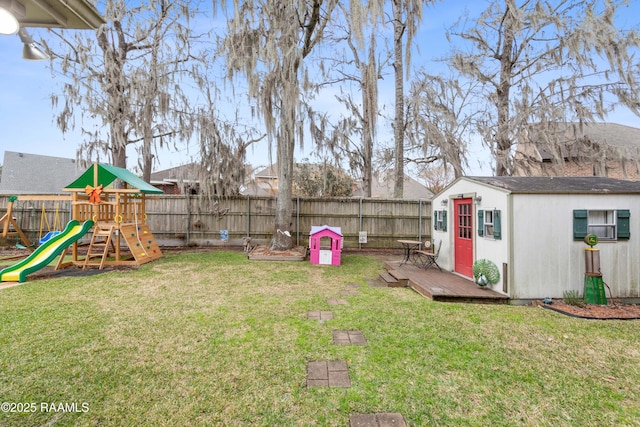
[{"x": 463, "y": 237}]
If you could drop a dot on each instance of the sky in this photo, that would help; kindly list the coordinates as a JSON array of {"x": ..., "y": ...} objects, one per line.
[{"x": 28, "y": 126}]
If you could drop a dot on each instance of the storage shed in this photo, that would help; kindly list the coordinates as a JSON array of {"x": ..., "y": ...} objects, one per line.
[
  {"x": 532, "y": 229},
  {"x": 325, "y": 245}
]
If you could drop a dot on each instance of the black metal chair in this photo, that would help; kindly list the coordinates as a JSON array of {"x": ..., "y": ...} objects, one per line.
[{"x": 428, "y": 258}]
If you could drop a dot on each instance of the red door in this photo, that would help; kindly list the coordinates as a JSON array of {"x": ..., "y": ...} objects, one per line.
[{"x": 463, "y": 237}]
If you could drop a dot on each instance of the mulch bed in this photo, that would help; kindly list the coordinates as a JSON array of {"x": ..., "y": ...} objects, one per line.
[{"x": 612, "y": 311}]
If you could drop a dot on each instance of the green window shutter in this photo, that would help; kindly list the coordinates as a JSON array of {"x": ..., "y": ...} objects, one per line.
[
  {"x": 580, "y": 223},
  {"x": 624, "y": 233},
  {"x": 444, "y": 220},
  {"x": 497, "y": 225},
  {"x": 435, "y": 220},
  {"x": 480, "y": 223}
]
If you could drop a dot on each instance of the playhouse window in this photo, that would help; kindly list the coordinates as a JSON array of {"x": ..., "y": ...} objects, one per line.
[{"x": 602, "y": 224}]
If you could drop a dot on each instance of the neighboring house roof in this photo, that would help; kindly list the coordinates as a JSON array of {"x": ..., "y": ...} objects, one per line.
[
  {"x": 182, "y": 173},
  {"x": 382, "y": 188},
  {"x": 563, "y": 143},
  {"x": 106, "y": 174},
  {"x": 176, "y": 176},
  {"x": 558, "y": 184},
  {"x": 24, "y": 173}
]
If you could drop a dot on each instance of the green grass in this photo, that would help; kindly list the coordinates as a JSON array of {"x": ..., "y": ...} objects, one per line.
[{"x": 213, "y": 339}]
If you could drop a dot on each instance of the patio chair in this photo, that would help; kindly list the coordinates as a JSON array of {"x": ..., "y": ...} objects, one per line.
[
  {"x": 429, "y": 258},
  {"x": 415, "y": 256}
]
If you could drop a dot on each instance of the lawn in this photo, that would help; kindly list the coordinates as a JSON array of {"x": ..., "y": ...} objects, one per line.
[{"x": 204, "y": 339}]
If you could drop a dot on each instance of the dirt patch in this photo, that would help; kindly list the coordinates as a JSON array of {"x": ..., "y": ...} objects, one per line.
[
  {"x": 612, "y": 311},
  {"x": 264, "y": 253}
]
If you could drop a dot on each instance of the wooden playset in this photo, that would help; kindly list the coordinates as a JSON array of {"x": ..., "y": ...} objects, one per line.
[
  {"x": 119, "y": 215},
  {"x": 115, "y": 213}
]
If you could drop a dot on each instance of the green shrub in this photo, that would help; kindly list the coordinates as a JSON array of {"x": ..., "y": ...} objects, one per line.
[{"x": 573, "y": 298}]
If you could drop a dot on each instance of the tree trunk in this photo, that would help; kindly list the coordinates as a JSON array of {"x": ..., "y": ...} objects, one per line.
[
  {"x": 147, "y": 159},
  {"x": 367, "y": 139},
  {"x": 118, "y": 148},
  {"x": 503, "y": 140},
  {"x": 398, "y": 126},
  {"x": 285, "y": 148}
]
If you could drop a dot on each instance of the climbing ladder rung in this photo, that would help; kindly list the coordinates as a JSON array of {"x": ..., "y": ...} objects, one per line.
[{"x": 100, "y": 232}]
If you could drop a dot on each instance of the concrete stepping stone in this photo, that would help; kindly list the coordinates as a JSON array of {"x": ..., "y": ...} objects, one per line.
[
  {"x": 375, "y": 282},
  {"x": 328, "y": 374},
  {"x": 349, "y": 292},
  {"x": 320, "y": 315},
  {"x": 386, "y": 419},
  {"x": 337, "y": 301},
  {"x": 352, "y": 337}
]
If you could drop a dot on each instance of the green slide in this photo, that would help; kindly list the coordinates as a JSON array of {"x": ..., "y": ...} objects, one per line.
[{"x": 46, "y": 253}]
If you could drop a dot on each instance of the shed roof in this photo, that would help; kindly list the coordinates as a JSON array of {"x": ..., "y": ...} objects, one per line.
[
  {"x": 560, "y": 184},
  {"x": 107, "y": 174}
]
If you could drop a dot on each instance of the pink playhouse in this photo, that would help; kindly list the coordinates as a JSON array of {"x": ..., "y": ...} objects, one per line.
[{"x": 325, "y": 245}]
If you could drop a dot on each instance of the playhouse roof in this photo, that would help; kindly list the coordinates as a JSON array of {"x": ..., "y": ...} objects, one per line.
[
  {"x": 107, "y": 174},
  {"x": 318, "y": 228}
]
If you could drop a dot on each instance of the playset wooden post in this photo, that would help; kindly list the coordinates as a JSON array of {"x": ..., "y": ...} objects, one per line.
[{"x": 7, "y": 219}]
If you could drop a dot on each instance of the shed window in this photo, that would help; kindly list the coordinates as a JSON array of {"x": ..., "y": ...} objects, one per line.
[
  {"x": 488, "y": 224},
  {"x": 440, "y": 220},
  {"x": 602, "y": 224},
  {"x": 606, "y": 224}
]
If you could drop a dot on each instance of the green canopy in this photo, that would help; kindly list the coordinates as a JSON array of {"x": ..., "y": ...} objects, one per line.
[{"x": 107, "y": 174}]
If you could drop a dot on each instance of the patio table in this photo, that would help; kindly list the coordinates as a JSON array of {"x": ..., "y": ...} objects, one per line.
[{"x": 408, "y": 246}]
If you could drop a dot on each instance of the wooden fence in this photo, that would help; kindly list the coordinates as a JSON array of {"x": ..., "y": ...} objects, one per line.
[{"x": 183, "y": 220}]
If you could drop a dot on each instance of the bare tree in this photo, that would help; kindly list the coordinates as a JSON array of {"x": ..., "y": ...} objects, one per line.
[
  {"x": 351, "y": 138},
  {"x": 407, "y": 15},
  {"x": 223, "y": 148},
  {"x": 441, "y": 116},
  {"x": 543, "y": 63},
  {"x": 321, "y": 180},
  {"x": 128, "y": 79},
  {"x": 268, "y": 41}
]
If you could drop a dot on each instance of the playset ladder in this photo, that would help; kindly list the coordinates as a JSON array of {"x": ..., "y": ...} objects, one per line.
[{"x": 99, "y": 246}]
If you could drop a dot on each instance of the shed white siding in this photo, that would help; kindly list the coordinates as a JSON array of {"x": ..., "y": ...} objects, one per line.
[
  {"x": 537, "y": 249},
  {"x": 547, "y": 261},
  {"x": 489, "y": 248}
]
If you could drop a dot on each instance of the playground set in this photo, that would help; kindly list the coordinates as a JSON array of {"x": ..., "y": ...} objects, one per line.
[{"x": 121, "y": 236}]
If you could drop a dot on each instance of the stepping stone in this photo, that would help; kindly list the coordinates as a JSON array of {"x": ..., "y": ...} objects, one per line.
[
  {"x": 349, "y": 292},
  {"x": 337, "y": 301},
  {"x": 328, "y": 374},
  {"x": 320, "y": 315},
  {"x": 375, "y": 282},
  {"x": 386, "y": 419},
  {"x": 353, "y": 285},
  {"x": 348, "y": 338}
]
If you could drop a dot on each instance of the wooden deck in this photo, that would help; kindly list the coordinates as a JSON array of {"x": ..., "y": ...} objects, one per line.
[{"x": 444, "y": 286}]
